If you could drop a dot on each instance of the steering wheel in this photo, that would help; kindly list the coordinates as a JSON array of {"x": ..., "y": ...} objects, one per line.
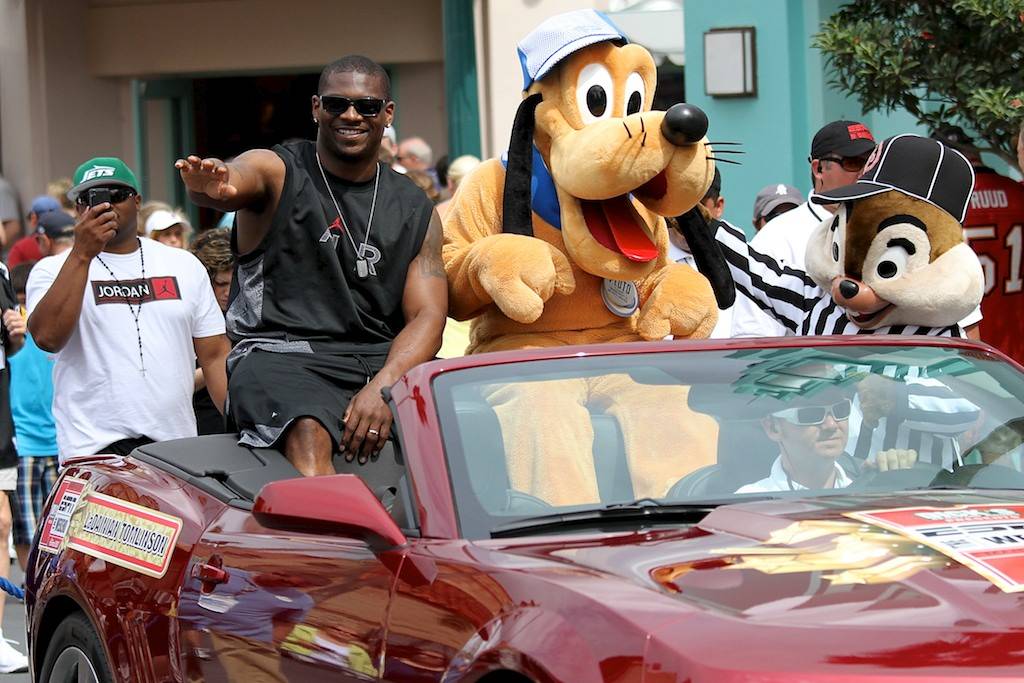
[
  {"x": 982, "y": 476},
  {"x": 693, "y": 484},
  {"x": 920, "y": 475}
]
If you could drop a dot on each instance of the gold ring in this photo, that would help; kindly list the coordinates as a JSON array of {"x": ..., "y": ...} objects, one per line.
[{"x": 373, "y": 431}]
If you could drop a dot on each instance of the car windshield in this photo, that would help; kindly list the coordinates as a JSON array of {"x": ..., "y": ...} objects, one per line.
[{"x": 531, "y": 440}]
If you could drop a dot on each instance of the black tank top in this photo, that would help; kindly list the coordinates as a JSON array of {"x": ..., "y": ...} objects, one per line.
[{"x": 301, "y": 284}]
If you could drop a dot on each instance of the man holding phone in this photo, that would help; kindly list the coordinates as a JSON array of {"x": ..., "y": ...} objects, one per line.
[{"x": 127, "y": 318}]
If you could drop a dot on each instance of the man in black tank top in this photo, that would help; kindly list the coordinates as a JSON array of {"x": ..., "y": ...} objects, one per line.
[{"x": 340, "y": 288}]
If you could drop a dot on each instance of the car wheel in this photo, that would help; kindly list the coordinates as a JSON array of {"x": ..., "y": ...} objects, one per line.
[{"x": 75, "y": 654}]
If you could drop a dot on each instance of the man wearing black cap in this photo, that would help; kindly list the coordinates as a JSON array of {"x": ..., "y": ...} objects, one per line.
[
  {"x": 838, "y": 153},
  {"x": 994, "y": 228}
]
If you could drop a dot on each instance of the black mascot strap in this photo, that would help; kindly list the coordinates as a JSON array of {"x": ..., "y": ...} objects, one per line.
[
  {"x": 516, "y": 210},
  {"x": 700, "y": 236}
]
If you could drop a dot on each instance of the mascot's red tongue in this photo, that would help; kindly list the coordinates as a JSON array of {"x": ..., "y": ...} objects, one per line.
[{"x": 616, "y": 225}]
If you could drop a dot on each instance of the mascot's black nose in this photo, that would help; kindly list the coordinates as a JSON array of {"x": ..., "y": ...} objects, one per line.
[
  {"x": 684, "y": 124},
  {"x": 848, "y": 288}
]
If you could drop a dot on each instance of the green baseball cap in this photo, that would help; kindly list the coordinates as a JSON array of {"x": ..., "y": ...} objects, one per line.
[{"x": 102, "y": 172}]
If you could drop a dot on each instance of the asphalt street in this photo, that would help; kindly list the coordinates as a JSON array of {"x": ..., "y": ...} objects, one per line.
[{"x": 14, "y": 625}]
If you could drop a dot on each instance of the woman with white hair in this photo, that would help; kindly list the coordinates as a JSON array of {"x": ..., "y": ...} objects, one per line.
[{"x": 457, "y": 170}]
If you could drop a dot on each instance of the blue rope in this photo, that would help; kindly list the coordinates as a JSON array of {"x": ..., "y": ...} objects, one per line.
[{"x": 9, "y": 587}]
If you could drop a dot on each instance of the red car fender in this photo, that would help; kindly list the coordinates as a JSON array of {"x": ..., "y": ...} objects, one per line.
[
  {"x": 137, "y": 635},
  {"x": 51, "y": 610},
  {"x": 519, "y": 641}
]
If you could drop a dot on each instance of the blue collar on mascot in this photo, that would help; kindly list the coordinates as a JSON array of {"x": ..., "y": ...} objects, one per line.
[{"x": 543, "y": 197}]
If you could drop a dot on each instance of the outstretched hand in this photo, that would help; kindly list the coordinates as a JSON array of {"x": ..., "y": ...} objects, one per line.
[{"x": 206, "y": 176}]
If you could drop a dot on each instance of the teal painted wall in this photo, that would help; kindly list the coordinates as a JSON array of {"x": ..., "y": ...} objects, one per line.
[
  {"x": 460, "y": 75},
  {"x": 793, "y": 100}
]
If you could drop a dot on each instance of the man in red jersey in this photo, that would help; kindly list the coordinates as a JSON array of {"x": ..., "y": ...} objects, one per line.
[{"x": 994, "y": 227}]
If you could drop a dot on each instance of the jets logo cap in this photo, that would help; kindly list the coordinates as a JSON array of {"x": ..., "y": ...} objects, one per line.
[{"x": 102, "y": 172}]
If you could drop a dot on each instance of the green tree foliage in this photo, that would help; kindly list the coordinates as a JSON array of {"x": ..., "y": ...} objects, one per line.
[{"x": 944, "y": 61}]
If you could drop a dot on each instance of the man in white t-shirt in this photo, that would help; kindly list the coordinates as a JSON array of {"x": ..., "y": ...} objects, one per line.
[
  {"x": 838, "y": 154},
  {"x": 127, "y": 318}
]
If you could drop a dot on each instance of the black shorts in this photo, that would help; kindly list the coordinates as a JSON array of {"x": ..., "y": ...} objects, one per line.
[{"x": 268, "y": 390}]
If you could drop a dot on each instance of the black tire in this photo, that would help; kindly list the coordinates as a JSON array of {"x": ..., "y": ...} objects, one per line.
[{"x": 75, "y": 645}]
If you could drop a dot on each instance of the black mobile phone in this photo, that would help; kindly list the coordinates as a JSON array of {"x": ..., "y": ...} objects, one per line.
[{"x": 98, "y": 195}]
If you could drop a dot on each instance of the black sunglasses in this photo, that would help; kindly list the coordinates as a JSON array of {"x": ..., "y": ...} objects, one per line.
[
  {"x": 815, "y": 415},
  {"x": 336, "y": 105},
  {"x": 851, "y": 164},
  {"x": 117, "y": 195}
]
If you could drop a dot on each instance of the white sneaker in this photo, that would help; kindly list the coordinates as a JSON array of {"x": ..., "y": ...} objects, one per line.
[{"x": 11, "y": 660}]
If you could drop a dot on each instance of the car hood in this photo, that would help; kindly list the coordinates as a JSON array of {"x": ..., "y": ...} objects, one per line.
[
  {"x": 801, "y": 562},
  {"x": 789, "y": 590}
]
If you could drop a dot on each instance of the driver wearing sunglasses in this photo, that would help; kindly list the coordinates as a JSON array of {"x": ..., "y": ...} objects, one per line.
[{"x": 812, "y": 438}]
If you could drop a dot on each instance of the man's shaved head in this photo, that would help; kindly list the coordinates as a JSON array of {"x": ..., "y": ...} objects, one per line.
[{"x": 358, "y": 64}]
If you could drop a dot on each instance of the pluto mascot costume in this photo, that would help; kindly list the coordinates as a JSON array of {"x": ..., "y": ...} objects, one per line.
[{"x": 564, "y": 242}]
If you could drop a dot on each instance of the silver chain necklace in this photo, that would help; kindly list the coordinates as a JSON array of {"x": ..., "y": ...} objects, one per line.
[
  {"x": 135, "y": 312},
  {"x": 362, "y": 267}
]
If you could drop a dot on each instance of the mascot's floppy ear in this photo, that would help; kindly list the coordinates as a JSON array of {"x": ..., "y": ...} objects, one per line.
[
  {"x": 700, "y": 236},
  {"x": 516, "y": 211}
]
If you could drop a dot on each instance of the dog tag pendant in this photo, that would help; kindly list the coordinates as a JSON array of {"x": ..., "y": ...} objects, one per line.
[
  {"x": 620, "y": 297},
  {"x": 362, "y": 269}
]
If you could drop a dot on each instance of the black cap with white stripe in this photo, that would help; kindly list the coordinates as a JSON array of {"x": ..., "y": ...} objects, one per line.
[{"x": 916, "y": 166}]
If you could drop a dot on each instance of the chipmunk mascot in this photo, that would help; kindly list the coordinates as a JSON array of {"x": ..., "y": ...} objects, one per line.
[
  {"x": 564, "y": 242},
  {"x": 892, "y": 260},
  {"x": 895, "y": 252}
]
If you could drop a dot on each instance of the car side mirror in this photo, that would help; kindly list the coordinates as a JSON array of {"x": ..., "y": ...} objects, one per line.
[{"x": 339, "y": 504}]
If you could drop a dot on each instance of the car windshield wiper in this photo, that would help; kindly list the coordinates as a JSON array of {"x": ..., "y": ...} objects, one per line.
[{"x": 618, "y": 514}]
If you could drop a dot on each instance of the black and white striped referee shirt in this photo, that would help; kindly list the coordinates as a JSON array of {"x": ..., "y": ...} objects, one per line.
[{"x": 792, "y": 297}]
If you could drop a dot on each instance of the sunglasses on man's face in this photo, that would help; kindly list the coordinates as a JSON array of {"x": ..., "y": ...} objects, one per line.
[
  {"x": 335, "y": 105},
  {"x": 807, "y": 416},
  {"x": 117, "y": 195},
  {"x": 849, "y": 164}
]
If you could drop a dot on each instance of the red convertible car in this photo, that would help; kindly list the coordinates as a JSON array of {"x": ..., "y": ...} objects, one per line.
[{"x": 808, "y": 509}]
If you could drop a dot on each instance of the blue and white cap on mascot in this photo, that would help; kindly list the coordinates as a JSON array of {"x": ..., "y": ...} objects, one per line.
[
  {"x": 560, "y": 36},
  {"x": 539, "y": 52}
]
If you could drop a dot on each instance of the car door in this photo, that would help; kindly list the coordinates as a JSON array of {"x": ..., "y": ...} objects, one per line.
[{"x": 266, "y": 605}]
